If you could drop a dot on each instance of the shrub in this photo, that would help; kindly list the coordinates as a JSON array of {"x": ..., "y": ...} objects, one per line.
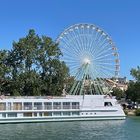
[{"x": 137, "y": 112}]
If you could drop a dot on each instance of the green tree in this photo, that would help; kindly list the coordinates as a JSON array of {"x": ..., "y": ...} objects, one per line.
[
  {"x": 133, "y": 91},
  {"x": 4, "y": 71},
  {"x": 136, "y": 73},
  {"x": 53, "y": 71},
  {"x": 118, "y": 93},
  {"x": 34, "y": 66}
]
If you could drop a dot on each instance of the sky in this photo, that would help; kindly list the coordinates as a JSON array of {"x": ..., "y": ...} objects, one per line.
[{"x": 119, "y": 18}]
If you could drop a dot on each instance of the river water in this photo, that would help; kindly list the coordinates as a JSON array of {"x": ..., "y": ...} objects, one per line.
[{"x": 128, "y": 129}]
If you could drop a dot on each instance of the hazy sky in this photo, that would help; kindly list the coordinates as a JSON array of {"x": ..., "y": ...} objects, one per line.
[{"x": 119, "y": 18}]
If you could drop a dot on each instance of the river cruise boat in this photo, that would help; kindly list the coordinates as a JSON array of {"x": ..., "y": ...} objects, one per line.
[{"x": 68, "y": 108}]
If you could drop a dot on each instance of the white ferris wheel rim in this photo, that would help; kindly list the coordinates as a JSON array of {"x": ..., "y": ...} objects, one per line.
[{"x": 87, "y": 43}]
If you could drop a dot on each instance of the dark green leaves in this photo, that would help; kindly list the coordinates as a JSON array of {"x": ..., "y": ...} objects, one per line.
[
  {"x": 32, "y": 67},
  {"x": 133, "y": 91},
  {"x": 136, "y": 73}
]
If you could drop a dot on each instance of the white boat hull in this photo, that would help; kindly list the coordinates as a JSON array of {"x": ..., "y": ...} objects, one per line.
[
  {"x": 58, "y": 119},
  {"x": 70, "y": 108}
]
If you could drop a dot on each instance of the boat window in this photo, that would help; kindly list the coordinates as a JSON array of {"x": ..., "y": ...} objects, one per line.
[
  {"x": 40, "y": 113},
  {"x": 12, "y": 114},
  {"x": 28, "y": 114},
  {"x": 37, "y": 105},
  {"x": 35, "y": 114},
  {"x": 75, "y": 105},
  {"x": 27, "y": 106},
  {"x": 56, "y": 113},
  {"x": 47, "y": 113},
  {"x": 66, "y": 105},
  {"x": 57, "y": 105},
  {"x": 107, "y": 104},
  {"x": 2, "y": 106},
  {"x": 48, "y": 105},
  {"x": 75, "y": 113},
  {"x": 4, "y": 115},
  {"x": 17, "y": 106},
  {"x": 66, "y": 113}
]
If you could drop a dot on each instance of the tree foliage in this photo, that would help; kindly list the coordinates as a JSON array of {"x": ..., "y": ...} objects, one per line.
[
  {"x": 136, "y": 73},
  {"x": 137, "y": 112},
  {"x": 32, "y": 67},
  {"x": 133, "y": 91},
  {"x": 118, "y": 93}
]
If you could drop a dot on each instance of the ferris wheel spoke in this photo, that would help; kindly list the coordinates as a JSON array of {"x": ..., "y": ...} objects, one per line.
[
  {"x": 104, "y": 49},
  {"x": 106, "y": 60},
  {"x": 106, "y": 64},
  {"x": 89, "y": 34},
  {"x": 72, "y": 43},
  {"x": 83, "y": 36},
  {"x": 96, "y": 85},
  {"x": 94, "y": 36},
  {"x": 79, "y": 36},
  {"x": 70, "y": 58},
  {"x": 67, "y": 45},
  {"x": 103, "y": 56},
  {"x": 103, "y": 80},
  {"x": 103, "y": 68},
  {"x": 98, "y": 44},
  {"x": 70, "y": 46},
  {"x": 101, "y": 46},
  {"x": 106, "y": 67},
  {"x": 75, "y": 40},
  {"x": 108, "y": 73}
]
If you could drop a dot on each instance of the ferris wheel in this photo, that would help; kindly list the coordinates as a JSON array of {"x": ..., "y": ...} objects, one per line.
[{"x": 92, "y": 58}]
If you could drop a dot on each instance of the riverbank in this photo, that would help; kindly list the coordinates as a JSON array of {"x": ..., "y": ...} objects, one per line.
[{"x": 130, "y": 112}]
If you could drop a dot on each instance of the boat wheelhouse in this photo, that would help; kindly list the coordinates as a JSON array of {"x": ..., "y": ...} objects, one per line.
[{"x": 69, "y": 108}]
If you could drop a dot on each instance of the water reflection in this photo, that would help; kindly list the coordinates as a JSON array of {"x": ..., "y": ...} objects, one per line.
[{"x": 80, "y": 130}]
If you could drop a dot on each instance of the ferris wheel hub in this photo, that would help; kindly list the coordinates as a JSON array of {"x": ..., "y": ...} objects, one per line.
[{"x": 87, "y": 61}]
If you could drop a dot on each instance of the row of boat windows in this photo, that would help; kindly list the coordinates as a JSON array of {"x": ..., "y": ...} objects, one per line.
[
  {"x": 40, "y": 114},
  {"x": 39, "y": 105}
]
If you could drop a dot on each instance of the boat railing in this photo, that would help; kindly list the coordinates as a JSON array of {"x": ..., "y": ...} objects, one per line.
[{"x": 31, "y": 97}]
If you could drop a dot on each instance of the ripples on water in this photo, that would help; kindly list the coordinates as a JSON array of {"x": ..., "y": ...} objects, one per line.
[{"x": 128, "y": 129}]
